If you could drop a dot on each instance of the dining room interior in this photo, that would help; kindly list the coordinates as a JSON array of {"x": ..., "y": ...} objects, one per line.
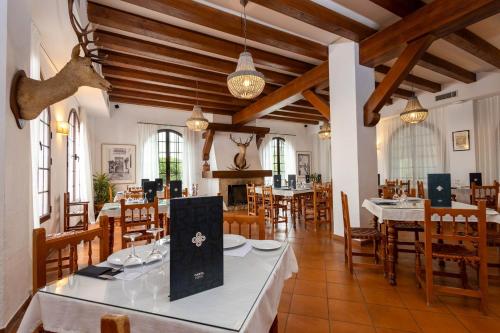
[{"x": 250, "y": 166}]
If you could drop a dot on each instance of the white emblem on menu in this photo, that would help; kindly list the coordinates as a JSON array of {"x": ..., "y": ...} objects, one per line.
[
  {"x": 198, "y": 239},
  {"x": 439, "y": 188}
]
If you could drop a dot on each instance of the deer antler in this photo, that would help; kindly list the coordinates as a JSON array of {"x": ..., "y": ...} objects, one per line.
[
  {"x": 231, "y": 137},
  {"x": 248, "y": 140}
]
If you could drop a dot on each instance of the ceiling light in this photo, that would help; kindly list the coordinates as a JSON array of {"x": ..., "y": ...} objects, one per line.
[
  {"x": 325, "y": 132},
  {"x": 197, "y": 122},
  {"x": 414, "y": 113}
]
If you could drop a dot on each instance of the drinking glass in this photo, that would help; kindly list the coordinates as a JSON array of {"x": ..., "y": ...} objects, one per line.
[
  {"x": 155, "y": 254},
  {"x": 133, "y": 263}
]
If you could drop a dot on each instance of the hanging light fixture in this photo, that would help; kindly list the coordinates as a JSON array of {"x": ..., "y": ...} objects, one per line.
[
  {"x": 197, "y": 122},
  {"x": 325, "y": 132},
  {"x": 245, "y": 82},
  {"x": 414, "y": 112}
]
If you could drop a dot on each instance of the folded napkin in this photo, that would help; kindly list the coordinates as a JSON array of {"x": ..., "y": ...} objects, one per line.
[
  {"x": 239, "y": 251},
  {"x": 96, "y": 271}
]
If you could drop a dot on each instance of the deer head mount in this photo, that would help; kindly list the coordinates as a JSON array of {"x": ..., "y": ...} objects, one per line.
[
  {"x": 240, "y": 162},
  {"x": 28, "y": 97}
]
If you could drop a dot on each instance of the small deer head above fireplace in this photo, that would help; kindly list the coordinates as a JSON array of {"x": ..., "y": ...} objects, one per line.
[{"x": 240, "y": 162}]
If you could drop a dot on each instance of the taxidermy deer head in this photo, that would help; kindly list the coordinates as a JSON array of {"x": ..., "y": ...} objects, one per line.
[
  {"x": 30, "y": 97},
  {"x": 240, "y": 162}
]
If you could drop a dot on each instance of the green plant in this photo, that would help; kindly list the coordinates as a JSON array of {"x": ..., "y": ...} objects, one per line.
[{"x": 102, "y": 184}]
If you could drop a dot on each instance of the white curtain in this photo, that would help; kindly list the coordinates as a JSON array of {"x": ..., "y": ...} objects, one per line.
[
  {"x": 34, "y": 127},
  {"x": 86, "y": 189},
  {"x": 266, "y": 155},
  {"x": 189, "y": 164},
  {"x": 412, "y": 151},
  {"x": 487, "y": 129},
  {"x": 290, "y": 156},
  {"x": 322, "y": 156},
  {"x": 148, "y": 151}
]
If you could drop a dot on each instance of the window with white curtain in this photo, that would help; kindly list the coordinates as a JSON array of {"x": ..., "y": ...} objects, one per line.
[
  {"x": 44, "y": 163},
  {"x": 73, "y": 156},
  {"x": 170, "y": 153},
  {"x": 279, "y": 158}
]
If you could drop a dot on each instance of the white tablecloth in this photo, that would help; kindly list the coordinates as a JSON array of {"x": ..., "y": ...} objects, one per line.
[
  {"x": 415, "y": 211},
  {"x": 286, "y": 192},
  {"x": 247, "y": 302},
  {"x": 114, "y": 209}
]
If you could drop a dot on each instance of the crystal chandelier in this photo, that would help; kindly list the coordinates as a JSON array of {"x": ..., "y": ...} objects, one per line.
[
  {"x": 197, "y": 122},
  {"x": 325, "y": 132},
  {"x": 413, "y": 113},
  {"x": 245, "y": 82}
]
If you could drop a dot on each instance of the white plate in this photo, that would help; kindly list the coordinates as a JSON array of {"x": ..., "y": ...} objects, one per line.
[
  {"x": 266, "y": 245},
  {"x": 231, "y": 241},
  {"x": 118, "y": 258}
]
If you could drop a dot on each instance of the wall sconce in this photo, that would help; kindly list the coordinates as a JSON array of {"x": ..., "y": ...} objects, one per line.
[{"x": 62, "y": 127}]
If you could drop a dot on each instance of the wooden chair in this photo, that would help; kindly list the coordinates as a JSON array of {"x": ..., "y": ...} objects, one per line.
[
  {"x": 462, "y": 245},
  {"x": 111, "y": 323},
  {"x": 111, "y": 198},
  {"x": 166, "y": 192},
  {"x": 44, "y": 246},
  {"x": 420, "y": 189},
  {"x": 388, "y": 192},
  {"x": 248, "y": 221},
  {"x": 489, "y": 193},
  {"x": 139, "y": 218},
  {"x": 273, "y": 208},
  {"x": 350, "y": 233},
  {"x": 391, "y": 183},
  {"x": 251, "y": 200},
  {"x": 318, "y": 209},
  {"x": 405, "y": 186},
  {"x": 75, "y": 211},
  {"x": 493, "y": 241}
]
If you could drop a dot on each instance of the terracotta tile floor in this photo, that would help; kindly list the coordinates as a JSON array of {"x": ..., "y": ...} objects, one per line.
[{"x": 324, "y": 297}]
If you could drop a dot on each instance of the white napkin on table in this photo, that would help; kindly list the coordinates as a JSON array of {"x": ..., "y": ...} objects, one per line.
[{"x": 240, "y": 251}]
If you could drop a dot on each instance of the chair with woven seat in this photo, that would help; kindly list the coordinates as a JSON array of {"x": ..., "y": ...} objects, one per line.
[
  {"x": 274, "y": 209},
  {"x": 247, "y": 222},
  {"x": 489, "y": 193},
  {"x": 139, "y": 218},
  {"x": 391, "y": 183},
  {"x": 318, "y": 209},
  {"x": 420, "y": 189},
  {"x": 252, "y": 200},
  {"x": 388, "y": 192},
  {"x": 457, "y": 242},
  {"x": 369, "y": 234},
  {"x": 76, "y": 214}
]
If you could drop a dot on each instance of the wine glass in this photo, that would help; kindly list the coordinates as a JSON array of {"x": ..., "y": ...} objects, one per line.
[
  {"x": 155, "y": 254},
  {"x": 133, "y": 263}
]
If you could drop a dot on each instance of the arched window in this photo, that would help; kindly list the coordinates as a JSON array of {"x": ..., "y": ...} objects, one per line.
[
  {"x": 278, "y": 147},
  {"x": 44, "y": 163},
  {"x": 73, "y": 156},
  {"x": 170, "y": 145}
]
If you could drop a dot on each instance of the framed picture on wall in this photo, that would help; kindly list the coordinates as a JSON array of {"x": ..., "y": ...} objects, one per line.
[
  {"x": 304, "y": 163},
  {"x": 118, "y": 161},
  {"x": 461, "y": 140}
]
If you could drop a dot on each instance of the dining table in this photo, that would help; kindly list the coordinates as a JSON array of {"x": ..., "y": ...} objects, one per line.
[
  {"x": 247, "y": 301},
  {"x": 390, "y": 211}
]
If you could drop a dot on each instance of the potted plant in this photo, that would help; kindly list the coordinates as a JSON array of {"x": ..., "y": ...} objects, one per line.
[{"x": 102, "y": 189}]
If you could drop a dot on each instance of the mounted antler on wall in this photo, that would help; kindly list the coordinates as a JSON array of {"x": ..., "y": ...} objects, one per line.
[
  {"x": 28, "y": 97},
  {"x": 240, "y": 162}
]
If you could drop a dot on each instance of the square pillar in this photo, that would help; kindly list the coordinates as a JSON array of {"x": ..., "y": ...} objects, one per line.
[{"x": 354, "y": 153}]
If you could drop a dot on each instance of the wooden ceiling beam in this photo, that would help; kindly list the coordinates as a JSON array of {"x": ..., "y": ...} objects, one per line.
[
  {"x": 412, "y": 80},
  {"x": 159, "y": 104},
  {"x": 298, "y": 115},
  {"x": 155, "y": 88},
  {"x": 439, "y": 18},
  {"x": 293, "y": 120},
  {"x": 318, "y": 103},
  {"x": 400, "y": 92},
  {"x": 282, "y": 96},
  {"x": 291, "y": 108},
  {"x": 117, "y": 19},
  {"x": 446, "y": 68},
  {"x": 219, "y": 127},
  {"x": 464, "y": 38},
  {"x": 139, "y": 47},
  {"x": 319, "y": 16},
  {"x": 393, "y": 79},
  {"x": 203, "y": 15}
]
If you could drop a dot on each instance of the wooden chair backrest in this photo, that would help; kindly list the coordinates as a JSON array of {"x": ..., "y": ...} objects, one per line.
[
  {"x": 388, "y": 192},
  {"x": 135, "y": 189},
  {"x": 43, "y": 245},
  {"x": 134, "y": 195},
  {"x": 405, "y": 186},
  {"x": 139, "y": 212},
  {"x": 420, "y": 189},
  {"x": 267, "y": 196},
  {"x": 251, "y": 199},
  {"x": 166, "y": 192},
  {"x": 459, "y": 225},
  {"x": 345, "y": 215},
  {"x": 247, "y": 220},
  {"x": 413, "y": 192},
  {"x": 393, "y": 183},
  {"x": 82, "y": 213},
  {"x": 111, "y": 323},
  {"x": 110, "y": 194},
  {"x": 489, "y": 193}
]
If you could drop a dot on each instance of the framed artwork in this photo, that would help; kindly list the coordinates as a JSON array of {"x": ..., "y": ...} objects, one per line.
[
  {"x": 304, "y": 163},
  {"x": 118, "y": 161},
  {"x": 461, "y": 140}
]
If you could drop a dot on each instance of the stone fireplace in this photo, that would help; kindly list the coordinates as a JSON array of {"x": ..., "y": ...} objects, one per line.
[{"x": 224, "y": 184}]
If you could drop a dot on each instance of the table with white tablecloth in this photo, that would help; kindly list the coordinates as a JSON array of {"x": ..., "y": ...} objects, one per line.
[{"x": 247, "y": 302}]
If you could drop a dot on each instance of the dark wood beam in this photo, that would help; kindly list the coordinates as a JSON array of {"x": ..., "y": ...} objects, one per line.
[
  {"x": 439, "y": 18},
  {"x": 171, "y": 99},
  {"x": 117, "y": 19},
  {"x": 464, "y": 39},
  {"x": 203, "y": 15},
  {"x": 238, "y": 129},
  {"x": 319, "y": 16},
  {"x": 319, "y": 103},
  {"x": 138, "y": 47},
  {"x": 282, "y": 96},
  {"x": 412, "y": 80},
  {"x": 298, "y": 115},
  {"x": 393, "y": 79},
  {"x": 293, "y": 120},
  {"x": 159, "y": 104},
  {"x": 446, "y": 68},
  {"x": 303, "y": 103},
  {"x": 170, "y": 91},
  {"x": 207, "y": 146},
  {"x": 290, "y": 108},
  {"x": 400, "y": 92}
]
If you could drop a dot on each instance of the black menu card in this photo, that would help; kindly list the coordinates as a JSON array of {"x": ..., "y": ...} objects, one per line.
[
  {"x": 196, "y": 245},
  {"x": 292, "y": 181},
  {"x": 143, "y": 180},
  {"x": 159, "y": 184},
  {"x": 475, "y": 177},
  {"x": 176, "y": 189},
  {"x": 149, "y": 189},
  {"x": 277, "y": 181},
  {"x": 439, "y": 187},
  {"x": 308, "y": 179}
]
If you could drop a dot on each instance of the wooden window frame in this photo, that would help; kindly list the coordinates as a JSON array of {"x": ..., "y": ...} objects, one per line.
[
  {"x": 45, "y": 217},
  {"x": 167, "y": 151},
  {"x": 75, "y": 158},
  {"x": 280, "y": 142}
]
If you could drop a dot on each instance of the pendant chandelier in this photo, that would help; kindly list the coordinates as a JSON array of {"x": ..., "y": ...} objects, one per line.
[
  {"x": 413, "y": 113},
  {"x": 197, "y": 122},
  {"x": 245, "y": 82},
  {"x": 325, "y": 132}
]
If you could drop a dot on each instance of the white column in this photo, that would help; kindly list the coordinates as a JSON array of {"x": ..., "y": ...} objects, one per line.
[{"x": 354, "y": 154}]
